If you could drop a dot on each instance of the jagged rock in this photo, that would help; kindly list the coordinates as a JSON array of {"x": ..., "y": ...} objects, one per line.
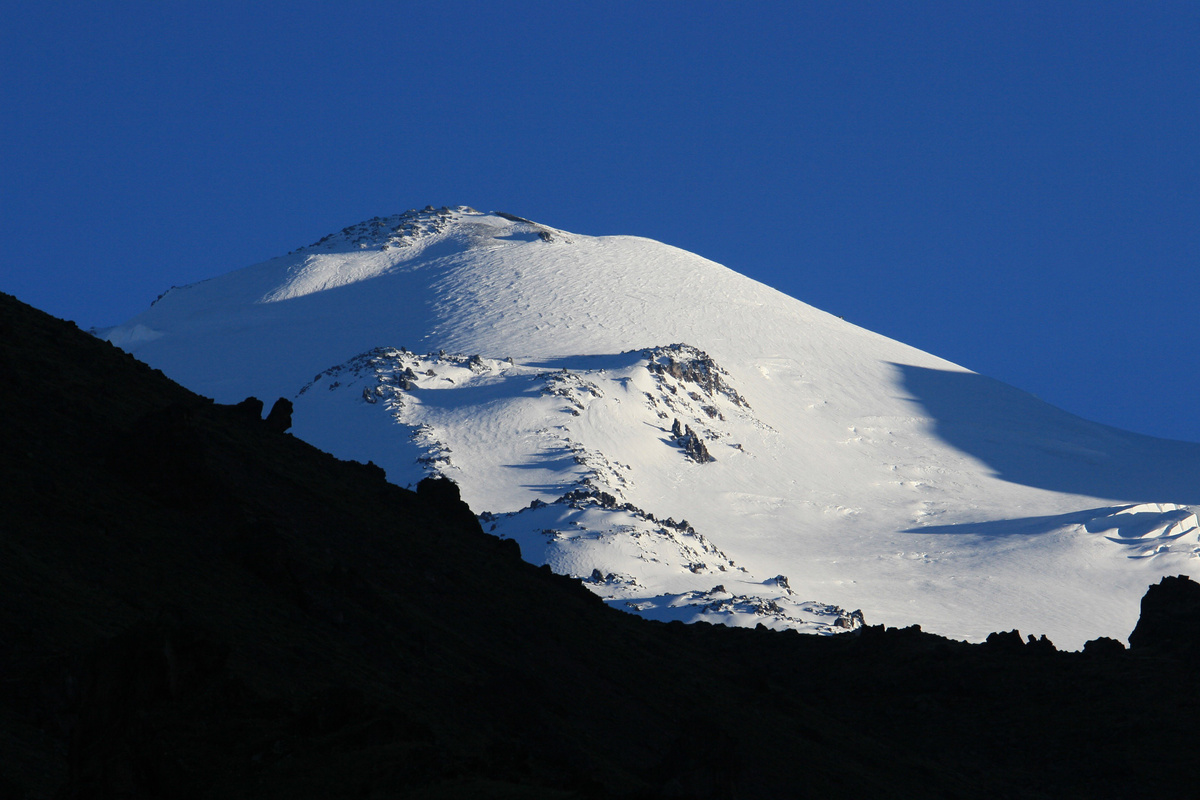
[
  {"x": 444, "y": 494},
  {"x": 692, "y": 444},
  {"x": 854, "y": 621},
  {"x": 686, "y": 363},
  {"x": 439, "y": 489},
  {"x": 1006, "y": 641},
  {"x": 1170, "y": 620},
  {"x": 280, "y": 417},
  {"x": 782, "y": 582},
  {"x": 509, "y": 546},
  {"x": 1040, "y": 645},
  {"x": 1104, "y": 647}
]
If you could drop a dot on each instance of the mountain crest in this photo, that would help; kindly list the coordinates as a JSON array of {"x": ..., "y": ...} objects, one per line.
[
  {"x": 415, "y": 227},
  {"x": 384, "y": 233},
  {"x": 873, "y": 475}
]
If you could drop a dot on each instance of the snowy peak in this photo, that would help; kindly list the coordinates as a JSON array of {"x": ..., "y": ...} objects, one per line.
[
  {"x": 381, "y": 245},
  {"x": 417, "y": 226},
  {"x": 532, "y": 367}
]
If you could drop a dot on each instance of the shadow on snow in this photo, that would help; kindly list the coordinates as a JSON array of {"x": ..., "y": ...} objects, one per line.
[
  {"x": 1021, "y": 526},
  {"x": 1032, "y": 443}
]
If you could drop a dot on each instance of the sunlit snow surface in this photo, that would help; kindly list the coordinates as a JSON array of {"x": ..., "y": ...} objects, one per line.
[{"x": 816, "y": 467}]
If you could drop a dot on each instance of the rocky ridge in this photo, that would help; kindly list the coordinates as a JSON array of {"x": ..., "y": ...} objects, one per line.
[
  {"x": 590, "y": 526},
  {"x": 198, "y": 605}
]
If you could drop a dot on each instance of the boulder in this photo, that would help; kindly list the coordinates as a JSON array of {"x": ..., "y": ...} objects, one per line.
[
  {"x": 1170, "y": 620},
  {"x": 280, "y": 417}
]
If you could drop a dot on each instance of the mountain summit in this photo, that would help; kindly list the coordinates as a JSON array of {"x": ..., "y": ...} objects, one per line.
[{"x": 691, "y": 443}]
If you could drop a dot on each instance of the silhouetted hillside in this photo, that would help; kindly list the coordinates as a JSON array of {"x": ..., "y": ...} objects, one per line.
[{"x": 193, "y": 604}]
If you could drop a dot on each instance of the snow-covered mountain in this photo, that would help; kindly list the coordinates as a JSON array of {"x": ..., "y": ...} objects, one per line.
[{"x": 689, "y": 442}]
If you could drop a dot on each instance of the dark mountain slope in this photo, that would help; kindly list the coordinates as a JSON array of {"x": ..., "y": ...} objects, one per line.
[{"x": 195, "y": 605}]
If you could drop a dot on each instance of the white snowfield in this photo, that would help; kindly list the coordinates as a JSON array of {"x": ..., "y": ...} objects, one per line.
[{"x": 690, "y": 443}]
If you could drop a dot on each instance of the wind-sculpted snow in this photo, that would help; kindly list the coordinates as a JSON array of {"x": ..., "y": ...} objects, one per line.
[
  {"x": 539, "y": 374},
  {"x": 1144, "y": 530},
  {"x": 1150, "y": 529}
]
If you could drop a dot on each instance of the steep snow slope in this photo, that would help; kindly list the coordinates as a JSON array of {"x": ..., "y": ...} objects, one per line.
[{"x": 690, "y": 442}]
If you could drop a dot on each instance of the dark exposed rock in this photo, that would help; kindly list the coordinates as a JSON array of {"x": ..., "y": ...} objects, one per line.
[
  {"x": 1103, "y": 647},
  {"x": 686, "y": 363},
  {"x": 513, "y": 217},
  {"x": 1040, "y": 646},
  {"x": 250, "y": 408},
  {"x": 444, "y": 495},
  {"x": 1006, "y": 641},
  {"x": 439, "y": 489},
  {"x": 1011, "y": 642},
  {"x": 425, "y": 661},
  {"x": 694, "y": 446},
  {"x": 1170, "y": 620},
  {"x": 692, "y": 443},
  {"x": 578, "y": 497},
  {"x": 510, "y": 546},
  {"x": 854, "y": 621},
  {"x": 280, "y": 417}
]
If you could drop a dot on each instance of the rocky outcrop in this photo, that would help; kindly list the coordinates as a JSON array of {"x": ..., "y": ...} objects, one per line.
[
  {"x": 147, "y": 655},
  {"x": 280, "y": 417},
  {"x": 1170, "y": 620},
  {"x": 691, "y": 442},
  {"x": 691, "y": 365},
  {"x": 443, "y": 494},
  {"x": 250, "y": 408},
  {"x": 1011, "y": 642},
  {"x": 1103, "y": 647}
]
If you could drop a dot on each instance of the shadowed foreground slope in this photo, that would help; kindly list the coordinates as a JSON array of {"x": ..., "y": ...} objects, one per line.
[{"x": 195, "y": 605}]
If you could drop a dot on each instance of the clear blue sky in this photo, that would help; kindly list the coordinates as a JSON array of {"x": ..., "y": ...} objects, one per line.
[{"x": 1012, "y": 186}]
